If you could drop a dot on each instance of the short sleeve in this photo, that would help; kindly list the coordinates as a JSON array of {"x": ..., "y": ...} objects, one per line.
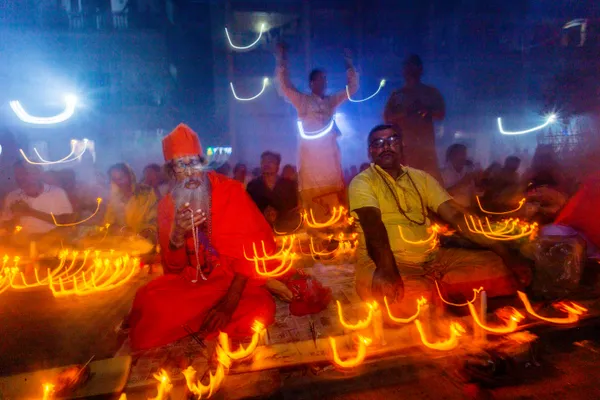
[
  {"x": 361, "y": 193},
  {"x": 436, "y": 194},
  {"x": 61, "y": 204}
]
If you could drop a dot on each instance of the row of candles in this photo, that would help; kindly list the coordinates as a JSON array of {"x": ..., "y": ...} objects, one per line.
[{"x": 72, "y": 276}]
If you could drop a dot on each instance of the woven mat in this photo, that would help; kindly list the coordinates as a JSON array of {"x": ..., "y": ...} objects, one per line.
[{"x": 286, "y": 329}]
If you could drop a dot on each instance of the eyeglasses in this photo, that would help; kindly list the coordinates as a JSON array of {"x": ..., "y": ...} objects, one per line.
[
  {"x": 380, "y": 143},
  {"x": 180, "y": 166}
]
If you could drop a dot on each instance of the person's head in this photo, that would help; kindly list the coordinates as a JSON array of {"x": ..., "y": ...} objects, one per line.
[
  {"x": 364, "y": 166},
  {"x": 317, "y": 81},
  {"x": 152, "y": 175},
  {"x": 184, "y": 167},
  {"x": 29, "y": 178},
  {"x": 269, "y": 163},
  {"x": 413, "y": 68},
  {"x": 456, "y": 155},
  {"x": 239, "y": 172},
  {"x": 512, "y": 163},
  {"x": 544, "y": 158},
  {"x": 122, "y": 177},
  {"x": 289, "y": 172},
  {"x": 385, "y": 146}
]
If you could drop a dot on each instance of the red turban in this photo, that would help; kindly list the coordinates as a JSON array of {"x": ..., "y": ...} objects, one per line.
[{"x": 182, "y": 142}]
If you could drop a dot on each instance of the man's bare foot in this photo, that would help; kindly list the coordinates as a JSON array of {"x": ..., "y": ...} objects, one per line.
[{"x": 280, "y": 290}]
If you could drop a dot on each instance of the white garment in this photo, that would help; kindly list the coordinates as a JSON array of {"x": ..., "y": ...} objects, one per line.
[
  {"x": 319, "y": 160},
  {"x": 52, "y": 200},
  {"x": 451, "y": 177}
]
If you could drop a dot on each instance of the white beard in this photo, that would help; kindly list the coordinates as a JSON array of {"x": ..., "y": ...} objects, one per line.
[{"x": 197, "y": 198}]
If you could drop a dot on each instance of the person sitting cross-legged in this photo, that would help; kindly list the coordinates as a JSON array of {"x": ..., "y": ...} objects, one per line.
[{"x": 391, "y": 203}]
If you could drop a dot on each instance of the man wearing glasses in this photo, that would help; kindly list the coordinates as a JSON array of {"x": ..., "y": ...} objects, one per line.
[
  {"x": 204, "y": 224},
  {"x": 398, "y": 257}
]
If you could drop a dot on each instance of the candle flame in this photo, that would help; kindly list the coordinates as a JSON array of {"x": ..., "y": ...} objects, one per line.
[
  {"x": 48, "y": 390},
  {"x": 513, "y": 322},
  {"x": 337, "y": 214},
  {"x": 573, "y": 310},
  {"x": 215, "y": 381},
  {"x": 242, "y": 352},
  {"x": 360, "y": 325},
  {"x": 475, "y": 293},
  {"x": 516, "y": 230},
  {"x": 98, "y": 201},
  {"x": 521, "y": 204},
  {"x": 456, "y": 330},
  {"x": 164, "y": 385},
  {"x": 285, "y": 256},
  {"x": 420, "y": 302},
  {"x": 362, "y": 343}
]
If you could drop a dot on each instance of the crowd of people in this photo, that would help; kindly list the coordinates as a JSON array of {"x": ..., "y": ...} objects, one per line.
[{"x": 203, "y": 220}]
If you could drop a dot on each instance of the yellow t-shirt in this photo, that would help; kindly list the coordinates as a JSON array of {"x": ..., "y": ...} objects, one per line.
[{"x": 368, "y": 189}]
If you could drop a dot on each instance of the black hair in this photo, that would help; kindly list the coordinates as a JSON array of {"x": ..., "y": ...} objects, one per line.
[
  {"x": 313, "y": 74},
  {"x": 124, "y": 168},
  {"x": 381, "y": 127},
  {"x": 453, "y": 148},
  {"x": 415, "y": 60},
  {"x": 153, "y": 167},
  {"x": 268, "y": 153}
]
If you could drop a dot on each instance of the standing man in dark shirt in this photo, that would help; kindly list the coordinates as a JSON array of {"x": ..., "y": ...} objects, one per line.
[{"x": 276, "y": 197}]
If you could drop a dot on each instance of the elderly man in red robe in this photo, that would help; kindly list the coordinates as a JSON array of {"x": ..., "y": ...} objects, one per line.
[{"x": 204, "y": 224}]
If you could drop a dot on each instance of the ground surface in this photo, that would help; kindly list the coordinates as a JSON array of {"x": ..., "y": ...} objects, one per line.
[{"x": 39, "y": 331}]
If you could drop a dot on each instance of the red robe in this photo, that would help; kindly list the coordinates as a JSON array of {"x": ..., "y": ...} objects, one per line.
[{"x": 165, "y": 304}]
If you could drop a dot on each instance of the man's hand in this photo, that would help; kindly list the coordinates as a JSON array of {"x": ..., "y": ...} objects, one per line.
[
  {"x": 183, "y": 222},
  {"x": 387, "y": 283},
  {"x": 220, "y": 315},
  {"x": 348, "y": 58},
  {"x": 20, "y": 208}
]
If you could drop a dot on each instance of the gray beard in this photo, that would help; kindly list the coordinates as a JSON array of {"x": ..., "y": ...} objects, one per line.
[{"x": 197, "y": 198}]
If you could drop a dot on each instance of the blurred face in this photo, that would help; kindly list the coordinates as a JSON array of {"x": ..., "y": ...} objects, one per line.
[
  {"x": 187, "y": 171},
  {"x": 458, "y": 158},
  {"x": 513, "y": 165},
  {"x": 385, "y": 149},
  {"x": 151, "y": 177},
  {"x": 240, "y": 173},
  {"x": 319, "y": 84},
  {"x": 121, "y": 179},
  {"x": 29, "y": 180},
  {"x": 269, "y": 165},
  {"x": 412, "y": 72}
]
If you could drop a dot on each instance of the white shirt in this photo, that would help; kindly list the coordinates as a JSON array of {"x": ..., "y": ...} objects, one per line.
[
  {"x": 451, "y": 177},
  {"x": 52, "y": 200}
]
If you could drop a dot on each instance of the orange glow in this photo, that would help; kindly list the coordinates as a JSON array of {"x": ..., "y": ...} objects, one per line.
[
  {"x": 475, "y": 293},
  {"x": 344, "y": 247},
  {"x": 18, "y": 228},
  {"x": 574, "y": 311},
  {"x": 521, "y": 203},
  {"x": 285, "y": 256},
  {"x": 164, "y": 385},
  {"x": 105, "y": 276},
  {"x": 517, "y": 229},
  {"x": 513, "y": 322},
  {"x": 456, "y": 330},
  {"x": 360, "y": 325},
  {"x": 98, "y": 200},
  {"x": 362, "y": 342},
  {"x": 431, "y": 238},
  {"x": 242, "y": 352},
  {"x": 337, "y": 214},
  {"x": 48, "y": 390},
  {"x": 215, "y": 381},
  {"x": 420, "y": 302}
]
